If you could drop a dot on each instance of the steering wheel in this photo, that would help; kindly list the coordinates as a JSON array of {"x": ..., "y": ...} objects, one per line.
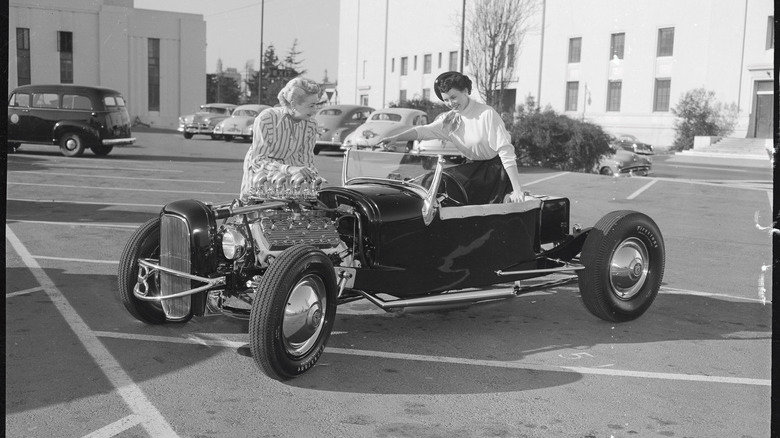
[{"x": 453, "y": 191}]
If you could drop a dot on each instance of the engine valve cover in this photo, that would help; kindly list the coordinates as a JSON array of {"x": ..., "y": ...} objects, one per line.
[{"x": 280, "y": 230}]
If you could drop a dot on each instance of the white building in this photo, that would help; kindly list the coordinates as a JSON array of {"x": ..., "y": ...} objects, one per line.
[
  {"x": 156, "y": 59},
  {"x": 621, "y": 64}
]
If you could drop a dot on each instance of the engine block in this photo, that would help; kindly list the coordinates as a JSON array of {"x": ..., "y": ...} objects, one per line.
[{"x": 279, "y": 230}]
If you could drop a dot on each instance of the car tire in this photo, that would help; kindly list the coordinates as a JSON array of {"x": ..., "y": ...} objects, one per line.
[
  {"x": 227, "y": 137},
  {"x": 13, "y": 147},
  {"x": 101, "y": 150},
  {"x": 409, "y": 147},
  {"x": 144, "y": 243},
  {"x": 624, "y": 258},
  {"x": 71, "y": 145},
  {"x": 317, "y": 150},
  {"x": 188, "y": 135},
  {"x": 606, "y": 170},
  {"x": 284, "y": 344},
  {"x": 215, "y": 137}
]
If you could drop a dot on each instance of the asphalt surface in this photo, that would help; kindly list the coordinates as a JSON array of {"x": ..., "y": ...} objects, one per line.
[{"x": 697, "y": 364}]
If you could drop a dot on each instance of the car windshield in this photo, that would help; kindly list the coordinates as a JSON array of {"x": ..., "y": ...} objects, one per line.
[
  {"x": 246, "y": 112},
  {"x": 410, "y": 169},
  {"x": 330, "y": 112},
  {"x": 387, "y": 117},
  {"x": 214, "y": 110}
]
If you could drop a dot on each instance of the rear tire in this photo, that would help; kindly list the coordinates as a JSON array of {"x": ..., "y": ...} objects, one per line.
[
  {"x": 102, "y": 150},
  {"x": 293, "y": 312},
  {"x": 624, "y": 258},
  {"x": 71, "y": 145},
  {"x": 188, "y": 135},
  {"x": 606, "y": 171},
  {"x": 227, "y": 137}
]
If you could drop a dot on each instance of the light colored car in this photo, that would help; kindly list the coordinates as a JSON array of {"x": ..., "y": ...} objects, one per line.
[
  {"x": 441, "y": 147},
  {"x": 336, "y": 122},
  {"x": 239, "y": 124},
  {"x": 204, "y": 121},
  {"x": 383, "y": 123},
  {"x": 625, "y": 162},
  {"x": 630, "y": 143}
]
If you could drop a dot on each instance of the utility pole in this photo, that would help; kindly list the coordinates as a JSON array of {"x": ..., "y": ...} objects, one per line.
[
  {"x": 260, "y": 69},
  {"x": 462, "y": 34}
]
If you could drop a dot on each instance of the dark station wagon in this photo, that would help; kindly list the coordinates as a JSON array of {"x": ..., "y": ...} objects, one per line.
[{"x": 72, "y": 116}]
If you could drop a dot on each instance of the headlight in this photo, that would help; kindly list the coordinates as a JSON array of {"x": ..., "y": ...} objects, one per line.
[{"x": 233, "y": 244}]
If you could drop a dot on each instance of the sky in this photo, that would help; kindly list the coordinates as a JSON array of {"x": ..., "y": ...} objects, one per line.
[{"x": 233, "y": 31}]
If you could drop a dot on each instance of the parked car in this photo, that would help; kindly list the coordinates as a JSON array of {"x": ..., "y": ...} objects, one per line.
[
  {"x": 630, "y": 143},
  {"x": 398, "y": 233},
  {"x": 75, "y": 117},
  {"x": 239, "y": 124},
  {"x": 204, "y": 121},
  {"x": 382, "y": 123},
  {"x": 622, "y": 161},
  {"x": 441, "y": 147},
  {"x": 336, "y": 122}
]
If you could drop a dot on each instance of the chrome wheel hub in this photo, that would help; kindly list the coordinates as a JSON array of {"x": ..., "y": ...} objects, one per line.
[
  {"x": 70, "y": 144},
  {"x": 628, "y": 268},
  {"x": 304, "y": 315}
]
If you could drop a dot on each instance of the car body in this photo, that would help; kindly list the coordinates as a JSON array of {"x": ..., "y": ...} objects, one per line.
[
  {"x": 75, "y": 117},
  {"x": 336, "y": 122},
  {"x": 630, "y": 143},
  {"x": 623, "y": 162},
  {"x": 239, "y": 124},
  {"x": 204, "y": 121},
  {"x": 398, "y": 233},
  {"x": 439, "y": 147},
  {"x": 383, "y": 123}
]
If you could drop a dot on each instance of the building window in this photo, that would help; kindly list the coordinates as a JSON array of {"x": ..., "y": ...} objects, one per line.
[
  {"x": 575, "y": 49},
  {"x": 404, "y": 66},
  {"x": 453, "y": 61},
  {"x": 392, "y": 65},
  {"x": 663, "y": 88},
  {"x": 402, "y": 96},
  {"x": 415, "y": 62},
  {"x": 666, "y": 41},
  {"x": 65, "y": 47},
  {"x": 23, "y": 71},
  {"x": 510, "y": 56},
  {"x": 572, "y": 90},
  {"x": 154, "y": 74},
  {"x": 426, "y": 93},
  {"x": 466, "y": 60},
  {"x": 427, "y": 64},
  {"x": 770, "y": 32},
  {"x": 617, "y": 46},
  {"x": 614, "y": 89},
  {"x": 365, "y": 63},
  {"x": 439, "y": 60},
  {"x": 364, "y": 99}
]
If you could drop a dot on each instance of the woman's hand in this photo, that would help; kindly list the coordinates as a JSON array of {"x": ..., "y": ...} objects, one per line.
[
  {"x": 307, "y": 174},
  {"x": 386, "y": 141},
  {"x": 517, "y": 196}
]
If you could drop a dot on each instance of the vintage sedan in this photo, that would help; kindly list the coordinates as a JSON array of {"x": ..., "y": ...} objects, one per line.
[
  {"x": 623, "y": 162},
  {"x": 383, "y": 123},
  {"x": 441, "y": 147},
  {"x": 204, "y": 121},
  {"x": 399, "y": 233},
  {"x": 336, "y": 122},
  {"x": 239, "y": 124},
  {"x": 630, "y": 143}
]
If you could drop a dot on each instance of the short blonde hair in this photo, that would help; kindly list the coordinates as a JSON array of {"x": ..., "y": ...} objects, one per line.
[{"x": 297, "y": 90}]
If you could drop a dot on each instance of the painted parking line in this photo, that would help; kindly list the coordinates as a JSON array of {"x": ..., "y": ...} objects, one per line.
[
  {"x": 67, "y": 259},
  {"x": 76, "y": 166},
  {"x": 545, "y": 179},
  {"x": 23, "y": 292},
  {"x": 121, "y": 189},
  {"x": 135, "y": 178},
  {"x": 711, "y": 184},
  {"x": 116, "y": 427},
  {"x": 152, "y": 421},
  {"x": 76, "y": 224},
  {"x": 642, "y": 189},
  {"x": 194, "y": 340},
  {"x": 57, "y": 201}
]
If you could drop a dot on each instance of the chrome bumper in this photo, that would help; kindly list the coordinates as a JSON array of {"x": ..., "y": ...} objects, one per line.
[
  {"x": 150, "y": 268},
  {"x": 117, "y": 141}
]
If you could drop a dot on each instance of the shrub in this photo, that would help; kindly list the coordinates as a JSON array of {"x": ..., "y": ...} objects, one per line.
[
  {"x": 543, "y": 137},
  {"x": 699, "y": 113}
]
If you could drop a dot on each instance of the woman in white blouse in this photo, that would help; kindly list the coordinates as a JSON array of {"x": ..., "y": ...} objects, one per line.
[{"x": 477, "y": 130}]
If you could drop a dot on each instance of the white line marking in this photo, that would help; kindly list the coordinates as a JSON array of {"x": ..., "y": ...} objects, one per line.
[
  {"x": 545, "y": 179},
  {"x": 76, "y": 224},
  {"x": 38, "y": 172},
  {"x": 65, "y": 259},
  {"x": 116, "y": 427},
  {"x": 153, "y": 422},
  {"x": 673, "y": 291},
  {"x": 771, "y": 201},
  {"x": 67, "y": 166},
  {"x": 720, "y": 169},
  {"x": 84, "y": 202},
  {"x": 119, "y": 189},
  {"x": 462, "y": 361},
  {"x": 704, "y": 183},
  {"x": 23, "y": 292},
  {"x": 645, "y": 187}
]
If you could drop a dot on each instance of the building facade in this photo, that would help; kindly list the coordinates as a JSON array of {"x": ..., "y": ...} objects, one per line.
[
  {"x": 156, "y": 59},
  {"x": 623, "y": 65}
]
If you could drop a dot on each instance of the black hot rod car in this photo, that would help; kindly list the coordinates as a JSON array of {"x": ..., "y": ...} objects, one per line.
[{"x": 399, "y": 232}]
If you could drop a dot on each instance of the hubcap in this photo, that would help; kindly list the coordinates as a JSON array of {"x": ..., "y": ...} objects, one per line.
[
  {"x": 70, "y": 144},
  {"x": 628, "y": 268},
  {"x": 303, "y": 316}
]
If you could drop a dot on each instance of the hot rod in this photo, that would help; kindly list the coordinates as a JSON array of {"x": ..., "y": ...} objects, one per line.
[{"x": 398, "y": 232}]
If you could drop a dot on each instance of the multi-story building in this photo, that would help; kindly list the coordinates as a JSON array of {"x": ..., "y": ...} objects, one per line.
[
  {"x": 156, "y": 59},
  {"x": 621, "y": 64}
]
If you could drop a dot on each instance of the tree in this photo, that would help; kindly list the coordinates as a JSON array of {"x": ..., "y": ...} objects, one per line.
[
  {"x": 222, "y": 89},
  {"x": 291, "y": 61},
  {"x": 699, "y": 113},
  {"x": 494, "y": 32},
  {"x": 275, "y": 75}
]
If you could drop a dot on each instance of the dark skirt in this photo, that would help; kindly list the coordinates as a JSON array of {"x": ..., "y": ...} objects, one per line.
[{"x": 485, "y": 182}]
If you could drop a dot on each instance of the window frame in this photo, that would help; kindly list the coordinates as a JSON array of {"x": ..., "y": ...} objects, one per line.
[
  {"x": 575, "y": 50},
  {"x": 617, "y": 45},
  {"x": 65, "y": 47},
  {"x": 404, "y": 65},
  {"x": 665, "y": 42},
  {"x": 153, "y": 74},
  {"x": 770, "y": 33},
  {"x": 427, "y": 63},
  {"x": 658, "y": 100},
  {"x": 454, "y": 60},
  {"x": 23, "y": 63},
  {"x": 614, "y": 95},
  {"x": 572, "y": 94}
]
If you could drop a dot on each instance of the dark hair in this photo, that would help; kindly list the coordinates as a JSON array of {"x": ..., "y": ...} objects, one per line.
[{"x": 449, "y": 80}]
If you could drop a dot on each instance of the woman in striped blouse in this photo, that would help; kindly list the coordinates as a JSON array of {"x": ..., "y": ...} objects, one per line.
[{"x": 284, "y": 136}]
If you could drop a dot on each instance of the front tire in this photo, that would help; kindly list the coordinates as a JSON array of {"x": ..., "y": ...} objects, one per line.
[
  {"x": 71, "y": 145},
  {"x": 606, "y": 171},
  {"x": 13, "y": 147},
  {"x": 624, "y": 258},
  {"x": 188, "y": 135},
  {"x": 293, "y": 312},
  {"x": 227, "y": 137},
  {"x": 102, "y": 150},
  {"x": 144, "y": 243}
]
